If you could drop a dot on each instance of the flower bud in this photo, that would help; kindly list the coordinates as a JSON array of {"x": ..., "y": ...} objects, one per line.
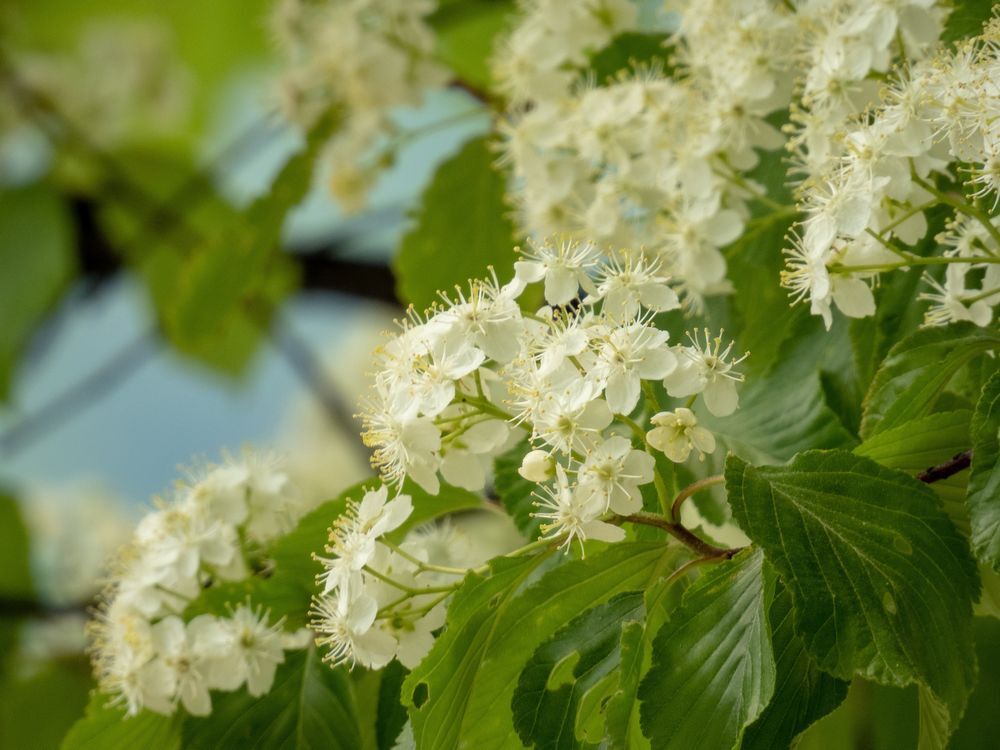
[{"x": 537, "y": 466}]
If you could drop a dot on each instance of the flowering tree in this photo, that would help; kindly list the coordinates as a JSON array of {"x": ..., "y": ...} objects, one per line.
[{"x": 732, "y": 510}]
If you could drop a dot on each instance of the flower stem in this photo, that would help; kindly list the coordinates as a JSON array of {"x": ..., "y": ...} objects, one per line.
[
  {"x": 959, "y": 205},
  {"x": 684, "y": 494},
  {"x": 421, "y": 564},
  {"x": 915, "y": 260},
  {"x": 409, "y": 589}
]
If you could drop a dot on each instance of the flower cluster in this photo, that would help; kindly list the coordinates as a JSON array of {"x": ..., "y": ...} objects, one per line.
[
  {"x": 865, "y": 209},
  {"x": 542, "y": 56},
  {"x": 461, "y": 384},
  {"x": 379, "y": 600},
  {"x": 364, "y": 56},
  {"x": 650, "y": 160},
  {"x": 123, "y": 80},
  {"x": 145, "y": 654}
]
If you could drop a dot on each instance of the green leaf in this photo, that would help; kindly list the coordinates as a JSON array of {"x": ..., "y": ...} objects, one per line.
[
  {"x": 762, "y": 312},
  {"x": 919, "y": 443},
  {"x": 38, "y": 259},
  {"x": 37, "y": 708},
  {"x": 460, "y": 694},
  {"x": 895, "y": 316},
  {"x": 622, "y": 718},
  {"x": 436, "y": 693},
  {"x": 882, "y": 583},
  {"x": 713, "y": 671},
  {"x": 515, "y": 492},
  {"x": 966, "y": 19},
  {"x": 918, "y": 369},
  {"x": 391, "y": 714},
  {"x": 984, "y": 478},
  {"x": 916, "y": 445},
  {"x": 629, "y": 52},
  {"x": 106, "y": 728},
  {"x": 15, "y": 553},
  {"x": 466, "y": 33},
  {"x": 309, "y": 707},
  {"x": 803, "y": 694},
  {"x": 579, "y": 659},
  {"x": 237, "y": 278},
  {"x": 981, "y": 718},
  {"x": 783, "y": 411},
  {"x": 460, "y": 228}
]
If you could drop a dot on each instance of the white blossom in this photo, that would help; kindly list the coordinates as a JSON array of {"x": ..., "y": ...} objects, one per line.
[{"x": 676, "y": 433}]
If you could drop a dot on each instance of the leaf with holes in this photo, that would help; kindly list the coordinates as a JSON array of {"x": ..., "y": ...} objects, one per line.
[
  {"x": 459, "y": 696},
  {"x": 881, "y": 581},
  {"x": 580, "y": 659}
]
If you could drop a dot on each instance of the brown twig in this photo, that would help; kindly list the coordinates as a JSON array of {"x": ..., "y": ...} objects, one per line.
[
  {"x": 953, "y": 465},
  {"x": 681, "y": 533}
]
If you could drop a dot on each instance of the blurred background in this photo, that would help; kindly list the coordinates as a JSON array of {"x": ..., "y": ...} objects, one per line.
[
  {"x": 134, "y": 137},
  {"x": 153, "y": 315}
]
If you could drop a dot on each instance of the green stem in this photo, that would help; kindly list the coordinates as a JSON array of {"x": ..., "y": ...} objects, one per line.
[
  {"x": 485, "y": 406},
  {"x": 521, "y": 551},
  {"x": 637, "y": 431},
  {"x": 916, "y": 260},
  {"x": 959, "y": 205},
  {"x": 912, "y": 212},
  {"x": 409, "y": 589},
  {"x": 421, "y": 564},
  {"x": 890, "y": 246},
  {"x": 984, "y": 295},
  {"x": 650, "y": 391},
  {"x": 738, "y": 180}
]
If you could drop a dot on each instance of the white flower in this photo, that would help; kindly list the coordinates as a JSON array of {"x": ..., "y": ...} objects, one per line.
[
  {"x": 344, "y": 623},
  {"x": 705, "y": 368},
  {"x": 251, "y": 652},
  {"x": 574, "y": 515},
  {"x": 488, "y": 317},
  {"x": 677, "y": 432},
  {"x": 405, "y": 444},
  {"x": 629, "y": 354},
  {"x": 186, "y": 651},
  {"x": 624, "y": 287},
  {"x": 354, "y": 534},
  {"x": 450, "y": 358},
  {"x": 559, "y": 339},
  {"x": 614, "y": 471},
  {"x": 563, "y": 265},
  {"x": 570, "y": 418},
  {"x": 949, "y": 299}
]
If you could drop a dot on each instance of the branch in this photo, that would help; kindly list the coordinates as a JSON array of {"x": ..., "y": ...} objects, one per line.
[
  {"x": 307, "y": 367},
  {"x": 950, "y": 467},
  {"x": 682, "y": 534},
  {"x": 121, "y": 366}
]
